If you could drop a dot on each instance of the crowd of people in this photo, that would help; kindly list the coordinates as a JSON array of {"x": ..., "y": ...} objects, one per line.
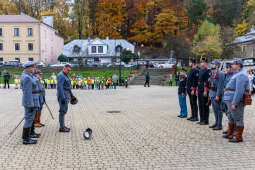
[{"x": 228, "y": 92}]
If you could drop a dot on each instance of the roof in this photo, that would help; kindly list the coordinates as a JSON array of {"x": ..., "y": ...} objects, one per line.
[
  {"x": 83, "y": 45},
  {"x": 245, "y": 38},
  {"x": 18, "y": 19}
]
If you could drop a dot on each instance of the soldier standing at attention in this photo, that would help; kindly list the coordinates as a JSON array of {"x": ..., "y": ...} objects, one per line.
[
  {"x": 215, "y": 93},
  {"x": 64, "y": 95},
  {"x": 202, "y": 92},
  {"x": 233, "y": 96},
  {"x": 37, "y": 120},
  {"x": 192, "y": 81},
  {"x": 30, "y": 101},
  {"x": 227, "y": 78}
]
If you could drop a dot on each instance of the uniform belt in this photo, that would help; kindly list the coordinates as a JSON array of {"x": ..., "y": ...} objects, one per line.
[
  {"x": 213, "y": 88},
  {"x": 37, "y": 92},
  {"x": 229, "y": 90},
  {"x": 67, "y": 89}
]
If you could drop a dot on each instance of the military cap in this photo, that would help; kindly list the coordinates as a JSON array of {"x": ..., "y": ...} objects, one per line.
[
  {"x": 228, "y": 65},
  {"x": 29, "y": 64},
  {"x": 216, "y": 62},
  {"x": 238, "y": 61},
  {"x": 203, "y": 59}
]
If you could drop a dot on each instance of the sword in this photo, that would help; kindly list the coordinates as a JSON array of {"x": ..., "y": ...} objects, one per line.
[
  {"x": 16, "y": 127},
  {"x": 49, "y": 111}
]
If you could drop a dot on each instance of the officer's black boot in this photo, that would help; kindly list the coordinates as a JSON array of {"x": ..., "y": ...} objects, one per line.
[
  {"x": 26, "y": 137},
  {"x": 33, "y": 134}
]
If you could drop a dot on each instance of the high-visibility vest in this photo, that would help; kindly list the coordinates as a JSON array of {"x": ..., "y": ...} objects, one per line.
[
  {"x": 92, "y": 81},
  {"x": 79, "y": 83},
  {"x": 55, "y": 81},
  {"x": 89, "y": 82},
  {"x": 72, "y": 82},
  {"x": 48, "y": 81},
  {"x": 51, "y": 81},
  {"x": 86, "y": 82},
  {"x": 42, "y": 81},
  {"x": 16, "y": 81}
]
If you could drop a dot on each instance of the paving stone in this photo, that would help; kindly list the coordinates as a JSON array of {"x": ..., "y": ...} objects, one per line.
[{"x": 145, "y": 134}]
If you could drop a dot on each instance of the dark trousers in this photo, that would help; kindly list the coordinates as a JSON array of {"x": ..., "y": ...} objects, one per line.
[
  {"x": 6, "y": 82},
  {"x": 203, "y": 108},
  {"x": 193, "y": 105},
  {"x": 147, "y": 83},
  {"x": 170, "y": 83}
]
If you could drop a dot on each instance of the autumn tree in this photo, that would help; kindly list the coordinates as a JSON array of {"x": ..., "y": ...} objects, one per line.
[{"x": 207, "y": 41}]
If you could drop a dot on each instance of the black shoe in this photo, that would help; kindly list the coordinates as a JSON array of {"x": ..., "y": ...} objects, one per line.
[
  {"x": 29, "y": 141},
  {"x": 65, "y": 129},
  {"x": 234, "y": 140},
  {"x": 203, "y": 123},
  {"x": 183, "y": 116},
  {"x": 213, "y": 126},
  {"x": 225, "y": 132},
  {"x": 199, "y": 122},
  {"x": 179, "y": 116},
  {"x": 226, "y": 136},
  {"x": 190, "y": 118},
  {"x": 35, "y": 135},
  {"x": 217, "y": 128},
  {"x": 194, "y": 119}
]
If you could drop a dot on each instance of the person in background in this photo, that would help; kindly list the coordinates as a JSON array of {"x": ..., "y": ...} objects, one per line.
[
  {"x": 171, "y": 80},
  {"x": 126, "y": 82},
  {"x": 250, "y": 76},
  {"x": 16, "y": 82},
  {"x": 7, "y": 77},
  {"x": 147, "y": 79},
  {"x": 115, "y": 80},
  {"x": 182, "y": 91},
  {"x": 177, "y": 79}
]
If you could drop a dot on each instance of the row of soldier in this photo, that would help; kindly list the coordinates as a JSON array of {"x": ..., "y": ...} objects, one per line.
[{"x": 224, "y": 91}]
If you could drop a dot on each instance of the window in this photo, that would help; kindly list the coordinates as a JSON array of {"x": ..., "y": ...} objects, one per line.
[
  {"x": 17, "y": 47},
  {"x": 1, "y": 32},
  {"x": 30, "y": 32},
  {"x": 1, "y": 47},
  {"x": 94, "y": 49},
  {"x": 100, "y": 49},
  {"x": 1, "y": 59},
  {"x": 30, "y": 59},
  {"x": 16, "y": 31},
  {"x": 30, "y": 46}
]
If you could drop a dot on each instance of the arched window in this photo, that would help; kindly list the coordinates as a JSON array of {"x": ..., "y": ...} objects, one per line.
[{"x": 76, "y": 49}]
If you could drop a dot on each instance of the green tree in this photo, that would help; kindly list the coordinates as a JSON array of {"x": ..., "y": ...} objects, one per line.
[
  {"x": 225, "y": 12},
  {"x": 126, "y": 56},
  {"x": 62, "y": 58},
  {"x": 197, "y": 12}
]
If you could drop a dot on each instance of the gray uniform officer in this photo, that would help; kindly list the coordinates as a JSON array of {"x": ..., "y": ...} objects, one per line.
[
  {"x": 233, "y": 97},
  {"x": 64, "y": 94},
  {"x": 30, "y": 101},
  {"x": 215, "y": 93}
]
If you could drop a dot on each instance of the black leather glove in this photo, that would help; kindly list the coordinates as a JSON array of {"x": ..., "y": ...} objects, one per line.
[{"x": 63, "y": 101}]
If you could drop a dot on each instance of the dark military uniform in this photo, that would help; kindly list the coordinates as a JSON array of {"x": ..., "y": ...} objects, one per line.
[
  {"x": 192, "y": 82},
  {"x": 203, "y": 102}
]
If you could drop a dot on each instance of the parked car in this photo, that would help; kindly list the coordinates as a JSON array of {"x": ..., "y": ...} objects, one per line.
[
  {"x": 61, "y": 64},
  {"x": 13, "y": 63},
  {"x": 41, "y": 64},
  {"x": 165, "y": 65},
  {"x": 1, "y": 63}
]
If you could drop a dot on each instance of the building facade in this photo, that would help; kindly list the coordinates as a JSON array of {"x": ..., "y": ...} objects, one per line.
[
  {"x": 24, "y": 38},
  {"x": 244, "y": 46},
  {"x": 96, "y": 50}
]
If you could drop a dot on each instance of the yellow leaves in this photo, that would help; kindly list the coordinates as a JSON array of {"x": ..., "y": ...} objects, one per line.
[
  {"x": 211, "y": 46},
  {"x": 242, "y": 28},
  {"x": 110, "y": 18}
]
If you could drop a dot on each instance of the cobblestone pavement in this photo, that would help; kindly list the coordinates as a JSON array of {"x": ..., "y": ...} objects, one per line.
[{"x": 146, "y": 134}]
